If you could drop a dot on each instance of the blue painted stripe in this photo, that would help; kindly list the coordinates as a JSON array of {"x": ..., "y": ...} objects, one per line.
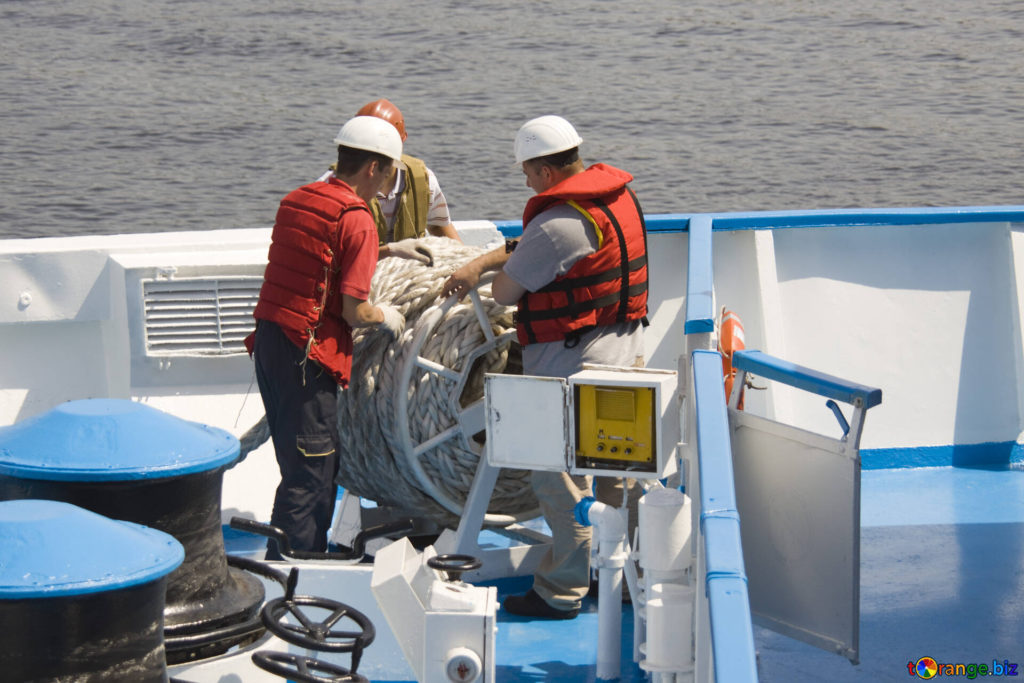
[
  {"x": 954, "y": 455},
  {"x": 804, "y": 378},
  {"x": 768, "y": 220},
  {"x": 763, "y": 220},
  {"x": 656, "y": 222},
  {"x": 732, "y": 638},
  {"x": 700, "y": 279},
  {"x": 667, "y": 222}
]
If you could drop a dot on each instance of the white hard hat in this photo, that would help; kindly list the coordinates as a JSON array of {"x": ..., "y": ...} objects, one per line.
[
  {"x": 545, "y": 135},
  {"x": 371, "y": 134}
]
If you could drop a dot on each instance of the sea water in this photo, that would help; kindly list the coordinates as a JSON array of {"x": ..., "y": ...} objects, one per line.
[{"x": 147, "y": 115}]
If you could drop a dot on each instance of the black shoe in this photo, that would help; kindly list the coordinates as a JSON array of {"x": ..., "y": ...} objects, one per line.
[{"x": 532, "y": 605}]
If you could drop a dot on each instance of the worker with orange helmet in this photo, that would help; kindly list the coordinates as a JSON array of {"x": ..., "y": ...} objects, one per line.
[{"x": 411, "y": 203}]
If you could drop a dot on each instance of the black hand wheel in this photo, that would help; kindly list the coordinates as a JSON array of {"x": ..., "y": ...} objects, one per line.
[
  {"x": 320, "y": 636},
  {"x": 304, "y": 669},
  {"x": 454, "y": 565}
]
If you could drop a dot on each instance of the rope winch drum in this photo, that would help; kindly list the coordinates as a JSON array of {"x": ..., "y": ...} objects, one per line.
[
  {"x": 411, "y": 418},
  {"x": 470, "y": 419}
]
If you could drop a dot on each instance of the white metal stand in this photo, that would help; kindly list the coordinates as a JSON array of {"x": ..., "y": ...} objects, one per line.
[{"x": 515, "y": 560}]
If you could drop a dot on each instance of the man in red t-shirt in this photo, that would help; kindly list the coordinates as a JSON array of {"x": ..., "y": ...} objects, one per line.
[{"x": 322, "y": 257}]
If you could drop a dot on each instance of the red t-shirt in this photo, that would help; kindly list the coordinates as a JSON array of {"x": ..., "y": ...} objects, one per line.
[
  {"x": 305, "y": 237},
  {"x": 358, "y": 246}
]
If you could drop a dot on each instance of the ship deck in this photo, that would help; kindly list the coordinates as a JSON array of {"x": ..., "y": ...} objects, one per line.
[{"x": 942, "y": 575}]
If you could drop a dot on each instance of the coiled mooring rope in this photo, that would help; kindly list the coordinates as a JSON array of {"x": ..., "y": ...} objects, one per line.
[{"x": 375, "y": 459}]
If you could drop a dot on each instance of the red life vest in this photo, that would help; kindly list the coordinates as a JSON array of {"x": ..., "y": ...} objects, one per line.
[
  {"x": 603, "y": 288},
  {"x": 299, "y": 290}
]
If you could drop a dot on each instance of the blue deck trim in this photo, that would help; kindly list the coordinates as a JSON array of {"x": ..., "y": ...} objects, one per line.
[
  {"x": 668, "y": 222},
  {"x": 655, "y": 222},
  {"x": 954, "y": 455},
  {"x": 765, "y": 220},
  {"x": 732, "y": 637},
  {"x": 700, "y": 278},
  {"x": 826, "y": 218},
  {"x": 804, "y": 378}
]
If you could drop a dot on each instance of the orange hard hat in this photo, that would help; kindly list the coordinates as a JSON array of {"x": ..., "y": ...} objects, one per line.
[{"x": 383, "y": 109}]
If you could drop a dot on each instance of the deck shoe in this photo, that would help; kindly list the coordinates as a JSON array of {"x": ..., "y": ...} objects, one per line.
[{"x": 532, "y": 605}]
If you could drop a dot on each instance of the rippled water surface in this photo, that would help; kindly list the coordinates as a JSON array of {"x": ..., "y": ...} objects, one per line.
[{"x": 144, "y": 116}]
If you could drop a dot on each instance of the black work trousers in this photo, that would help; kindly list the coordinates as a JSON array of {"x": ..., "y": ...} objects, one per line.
[{"x": 301, "y": 401}]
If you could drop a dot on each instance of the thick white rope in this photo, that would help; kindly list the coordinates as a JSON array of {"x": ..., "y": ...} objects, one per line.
[{"x": 374, "y": 462}]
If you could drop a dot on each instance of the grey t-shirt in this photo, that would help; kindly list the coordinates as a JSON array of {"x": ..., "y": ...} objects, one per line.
[{"x": 552, "y": 242}]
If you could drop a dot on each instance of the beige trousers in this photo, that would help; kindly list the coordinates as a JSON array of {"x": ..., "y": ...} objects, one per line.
[{"x": 563, "y": 576}]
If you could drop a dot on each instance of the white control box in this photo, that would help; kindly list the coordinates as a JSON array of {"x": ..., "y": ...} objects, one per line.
[{"x": 603, "y": 420}]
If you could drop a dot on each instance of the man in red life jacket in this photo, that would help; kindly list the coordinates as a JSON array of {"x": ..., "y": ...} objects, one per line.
[
  {"x": 579, "y": 278},
  {"x": 323, "y": 253}
]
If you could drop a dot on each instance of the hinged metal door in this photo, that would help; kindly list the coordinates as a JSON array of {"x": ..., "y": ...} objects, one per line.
[
  {"x": 527, "y": 422},
  {"x": 798, "y": 497}
]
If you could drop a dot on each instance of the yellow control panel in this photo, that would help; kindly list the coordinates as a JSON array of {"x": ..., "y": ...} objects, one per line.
[{"x": 616, "y": 427}]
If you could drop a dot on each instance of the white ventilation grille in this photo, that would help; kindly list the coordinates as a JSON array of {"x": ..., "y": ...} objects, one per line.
[{"x": 199, "y": 317}]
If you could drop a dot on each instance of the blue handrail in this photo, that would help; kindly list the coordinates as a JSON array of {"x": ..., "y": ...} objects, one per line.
[
  {"x": 732, "y": 636},
  {"x": 800, "y": 377},
  {"x": 700, "y": 314}
]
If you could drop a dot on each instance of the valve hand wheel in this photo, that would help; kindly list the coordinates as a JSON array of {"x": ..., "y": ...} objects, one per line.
[
  {"x": 304, "y": 669},
  {"x": 454, "y": 564},
  {"x": 319, "y": 635}
]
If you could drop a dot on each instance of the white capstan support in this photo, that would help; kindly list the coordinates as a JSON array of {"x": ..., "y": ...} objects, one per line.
[
  {"x": 668, "y": 596},
  {"x": 520, "y": 558},
  {"x": 612, "y": 552},
  {"x": 446, "y": 627}
]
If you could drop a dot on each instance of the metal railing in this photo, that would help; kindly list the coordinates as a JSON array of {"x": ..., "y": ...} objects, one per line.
[
  {"x": 723, "y": 609},
  {"x": 724, "y": 632}
]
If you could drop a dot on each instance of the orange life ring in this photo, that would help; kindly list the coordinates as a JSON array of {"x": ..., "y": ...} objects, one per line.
[{"x": 730, "y": 339}]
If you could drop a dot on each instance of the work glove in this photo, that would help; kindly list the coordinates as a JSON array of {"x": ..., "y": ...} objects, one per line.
[
  {"x": 393, "y": 323},
  {"x": 412, "y": 249}
]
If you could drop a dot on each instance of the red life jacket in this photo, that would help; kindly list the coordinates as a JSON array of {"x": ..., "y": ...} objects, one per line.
[
  {"x": 299, "y": 290},
  {"x": 603, "y": 288}
]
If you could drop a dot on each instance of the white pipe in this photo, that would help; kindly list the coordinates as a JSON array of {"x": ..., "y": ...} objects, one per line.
[
  {"x": 665, "y": 531},
  {"x": 665, "y": 556},
  {"x": 609, "y": 610},
  {"x": 670, "y": 628},
  {"x": 636, "y": 597},
  {"x": 611, "y": 557}
]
